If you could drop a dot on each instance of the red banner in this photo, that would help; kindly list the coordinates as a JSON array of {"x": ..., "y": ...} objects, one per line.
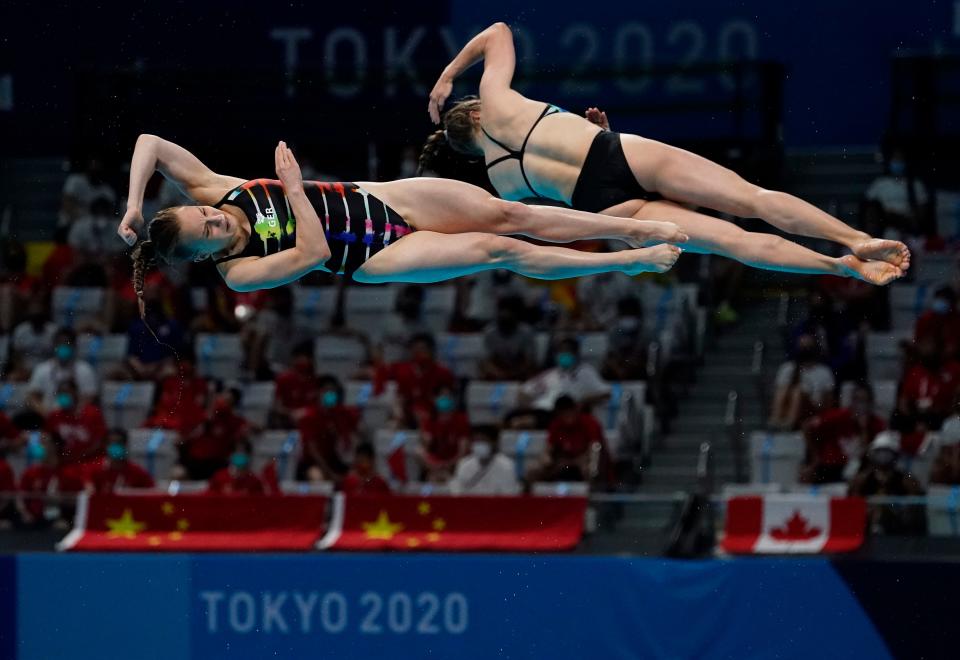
[
  {"x": 446, "y": 523},
  {"x": 190, "y": 523}
]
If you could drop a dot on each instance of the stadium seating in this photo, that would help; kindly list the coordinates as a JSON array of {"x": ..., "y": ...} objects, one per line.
[
  {"x": 256, "y": 401},
  {"x": 425, "y": 488},
  {"x": 126, "y": 404},
  {"x": 438, "y": 305},
  {"x": 884, "y": 396},
  {"x": 366, "y": 306},
  {"x": 307, "y": 488},
  {"x": 340, "y": 355},
  {"x": 375, "y": 408},
  {"x": 282, "y": 446},
  {"x": 525, "y": 447},
  {"x": 219, "y": 356},
  {"x": 775, "y": 457},
  {"x": 104, "y": 352},
  {"x": 386, "y": 442},
  {"x": 461, "y": 353},
  {"x": 12, "y": 397},
  {"x": 489, "y": 401},
  {"x": 313, "y": 306},
  {"x": 943, "y": 511},
  {"x": 74, "y": 306},
  {"x": 4, "y": 351},
  {"x": 884, "y": 355},
  {"x": 560, "y": 489},
  {"x": 154, "y": 449}
]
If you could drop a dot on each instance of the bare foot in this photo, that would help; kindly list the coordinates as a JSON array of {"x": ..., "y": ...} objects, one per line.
[
  {"x": 653, "y": 232},
  {"x": 879, "y": 249},
  {"x": 873, "y": 272},
  {"x": 656, "y": 259}
]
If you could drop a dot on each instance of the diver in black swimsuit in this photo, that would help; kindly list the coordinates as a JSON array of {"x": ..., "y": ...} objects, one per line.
[
  {"x": 569, "y": 160},
  {"x": 263, "y": 233}
]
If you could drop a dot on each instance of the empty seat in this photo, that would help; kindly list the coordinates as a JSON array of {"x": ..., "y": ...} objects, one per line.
[
  {"x": 425, "y": 488},
  {"x": 178, "y": 487},
  {"x": 219, "y": 356},
  {"x": 775, "y": 457},
  {"x": 366, "y": 306},
  {"x": 4, "y": 351},
  {"x": 104, "y": 352},
  {"x": 12, "y": 397},
  {"x": 400, "y": 449},
  {"x": 126, "y": 404},
  {"x": 525, "y": 448},
  {"x": 313, "y": 306},
  {"x": 740, "y": 490},
  {"x": 560, "y": 489},
  {"x": 920, "y": 464},
  {"x": 256, "y": 402},
  {"x": 73, "y": 306},
  {"x": 943, "y": 510},
  {"x": 489, "y": 401},
  {"x": 340, "y": 355},
  {"x": 907, "y": 302},
  {"x": 884, "y": 396},
  {"x": 154, "y": 449},
  {"x": 461, "y": 353},
  {"x": 307, "y": 487},
  {"x": 593, "y": 348},
  {"x": 838, "y": 489},
  {"x": 281, "y": 446},
  {"x": 438, "y": 305},
  {"x": 376, "y": 409},
  {"x": 884, "y": 356}
]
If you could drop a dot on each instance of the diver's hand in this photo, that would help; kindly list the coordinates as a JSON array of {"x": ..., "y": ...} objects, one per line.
[
  {"x": 595, "y": 116},
  {"x": 288, "y": 170},
  {"x": 441, "y": 92},
  {"x": 131, "y": 223}
]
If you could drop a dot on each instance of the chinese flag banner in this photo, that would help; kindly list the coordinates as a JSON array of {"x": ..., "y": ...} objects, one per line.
[
  {"x": 401, "y": 522},
  {"x": 794, "y": 524},
  {"x": 193, "y": 523}
]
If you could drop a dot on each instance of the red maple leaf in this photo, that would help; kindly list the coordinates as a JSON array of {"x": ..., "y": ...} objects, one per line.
[{"x": 796, "y": 529}]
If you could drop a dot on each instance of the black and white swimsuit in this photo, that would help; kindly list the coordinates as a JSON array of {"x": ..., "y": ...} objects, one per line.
[{"x": 357, "y": 224}]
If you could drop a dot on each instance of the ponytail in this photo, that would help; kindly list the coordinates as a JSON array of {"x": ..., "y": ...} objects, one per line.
[
  {"x": 430, "y": 151},
  {"x": 144, "y": 257}
]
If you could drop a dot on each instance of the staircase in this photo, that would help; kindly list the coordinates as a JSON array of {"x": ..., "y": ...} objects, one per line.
[{"x": 833, "y": 179}]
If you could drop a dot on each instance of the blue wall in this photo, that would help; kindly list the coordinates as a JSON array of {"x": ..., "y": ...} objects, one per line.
[{"x": 440, "y": 606}]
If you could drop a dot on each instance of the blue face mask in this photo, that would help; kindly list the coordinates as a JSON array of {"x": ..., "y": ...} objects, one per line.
[
  {"x": 64, "y": 400},
  {"x": 239, "y": 460},
  {"x": 36, "y": 451},
  {"x": 329, "y": 399},
  {"x": 444, "y": 403},
  {"x": 940, "y": 306},
  {"x": 566, "y": 360},
  {"x": 898, "y": 167},
  {"x": 64, "y": 352},
  {"x": 116, "y": 451}
]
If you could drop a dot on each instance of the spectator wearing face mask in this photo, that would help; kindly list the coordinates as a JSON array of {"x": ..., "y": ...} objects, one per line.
[
  {"x": 571, "y": 438},
  {"x": 803, "y": 386},
  {"x": 840, "y": 435},
  {"x": 117, "y": 471},
  {"x": 900, "y": 199},
  {"x": 946, "y": 465},
  {"x": 626, "y": 357},
  {"x": 509, "y": 345},
  {"x": 41, "y": 484},
  {"x": 78, "y": 429},
  {"x": 329, "y": 432},
  {"x": 237, "y": 478},
  {"x": 214, "y": 443},
  {"x": 417, "y": 379},
  {"x": 570, "y": 377},
  {"x": 445, "y": 435},
  {"x": 927, "y": 391},
  {"x": 485, "y": 470},
  {"x": 273, "y": 334},
  {"x": 63, "y": 366},
  {"x": 81, "y": 189},
  {"x": 32, "y": 340},
  {"x": 880, "y": 475},
  {"x": 362, "y": 478},
  {"x": 296, "y": 389},
  {"x": 941, "y": 323}
]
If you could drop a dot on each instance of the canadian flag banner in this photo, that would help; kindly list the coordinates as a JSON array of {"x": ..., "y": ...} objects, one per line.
[{"x": 794, "y": 524}]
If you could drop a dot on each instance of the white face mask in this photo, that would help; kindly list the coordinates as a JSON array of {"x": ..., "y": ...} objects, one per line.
[{"x": 482, "y": 450}]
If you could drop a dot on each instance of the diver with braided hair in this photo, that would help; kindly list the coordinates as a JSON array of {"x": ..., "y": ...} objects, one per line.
[
  {"x": 536, "y": 150},
  {"x": 263, "y": 233}
]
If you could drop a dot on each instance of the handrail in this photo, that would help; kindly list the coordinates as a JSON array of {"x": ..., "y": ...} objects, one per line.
[
  {"x": 733, "y": 422},
  {"x": 705, "y": 470}
]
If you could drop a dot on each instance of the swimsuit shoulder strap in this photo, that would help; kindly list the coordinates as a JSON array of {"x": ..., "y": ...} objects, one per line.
[{"x": 518, "y": 154}]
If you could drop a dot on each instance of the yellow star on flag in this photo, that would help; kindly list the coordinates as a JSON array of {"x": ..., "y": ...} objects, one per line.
[
  {"x": 423, "y": 508},
  {"x": 413, "y": 543},
  {"x": 433, "y": 537},
  {"x": 183, "y": 524},
  {"x": 154, "y": 540},
  {"x": 381, "y": 528},
  {"x": 125, "y": 526},
  {"x": 175, "y": 536},
  {"x": 167, "y": 508},
  {"x": 439, "y": 524}
]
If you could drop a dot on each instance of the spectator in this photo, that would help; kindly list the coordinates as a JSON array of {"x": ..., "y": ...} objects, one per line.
[
  {"x": 273, "y": 334},
  {"x": 417, "y": 379},
  {"x": 237, "y": 478},
  {"x": 445, "y": 437},
  {"x": 946, "y": 465},
  {"x": 150, "y": 339},
  {"x": 48, "y": 375},
  {"x": 835, "y": 331},
  {"x": 78, "y": 429},
  {"x": 485, "y": 470},
  {"x": 45, "y": 479},
  {"x": 928, "y": 389},
  {"x": 898, "y": 199},
  {"x": 838, "y": 436},
  {"x": 210, "y": 447},
  {"x": 93, "y": 238},
  {"x": 569, "y": 377},
  {"x": 804, "y": 386},
  {"x": 8, "y": 485},
  {"x": 362, "y": 478},
  {"x": 296, "y": 389},
  {"x": 880, "y": 476},
  {"x": 598, "y": 296},
  {"x": 32, "y": 340},
  {"x": 510, "y": 346},
  {"x": 570, "y": 440},
  {"x": 329, "y": 432},
  {"x": 118, "y": 471},
  {"x": 183, "y": 398},
  {"x": 81, "y": 189},
  {"x": 626, "y": 357},
  {"x": 941, "y": 323}
]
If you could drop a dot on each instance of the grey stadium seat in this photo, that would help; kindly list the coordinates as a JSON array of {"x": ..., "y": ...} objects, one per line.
[
  {"x": 154, "y": 449},
  {"x": 775, "y": 457},
  {"x": 126, "y": 404},
  {"x": 282, "y": 446},
  {"x": 219, "y": 355}
]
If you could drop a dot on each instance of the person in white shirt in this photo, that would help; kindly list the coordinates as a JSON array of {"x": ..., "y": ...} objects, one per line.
[
  {"x": 902, "y": 198},
  {"x": 32, "y": 340},
  {"x": 48, "y": 375},
  {"x": 804, "y": 386},
  {"x": 570, "y": 377},
  {"x": 80, "y": 189},
  {"x": 93, "y": 234},
  {"x": 485, "y": 471}
]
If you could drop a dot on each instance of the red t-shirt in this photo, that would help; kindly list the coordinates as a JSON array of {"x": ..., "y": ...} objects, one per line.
[
  {"x": 931, "y": 391},
  {"x": 226, "y": 482},
  {"x": 7, "y": 430},
  {"x": 180, "y": 411},
  {"x": 126, "y": 475},
  {"x": 218, "y": 437},
  {"x": 295, "y": 390},
  {"x": 46, "y": 479},
  {"x": 943, "y": 328},
  {"x": 416, "y": 382},
  {"x": 572, "y": 440},
  {"x": 374, "y": 484},
  {"x": 329, "y": 430},
  {"x": 833, "y": 427},
  {"x": 445, "y": 435},
  {"x": 81, "y": 432},
  {"x": 8, "y": 482}
]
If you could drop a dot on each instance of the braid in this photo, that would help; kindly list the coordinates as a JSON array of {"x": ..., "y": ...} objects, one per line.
[
  {"x": 431, "y": 149},
  {"x": 144, "y": 257}
]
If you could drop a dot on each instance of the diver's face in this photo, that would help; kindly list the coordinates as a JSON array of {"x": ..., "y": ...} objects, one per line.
[{"x": 204, "y": 231}]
